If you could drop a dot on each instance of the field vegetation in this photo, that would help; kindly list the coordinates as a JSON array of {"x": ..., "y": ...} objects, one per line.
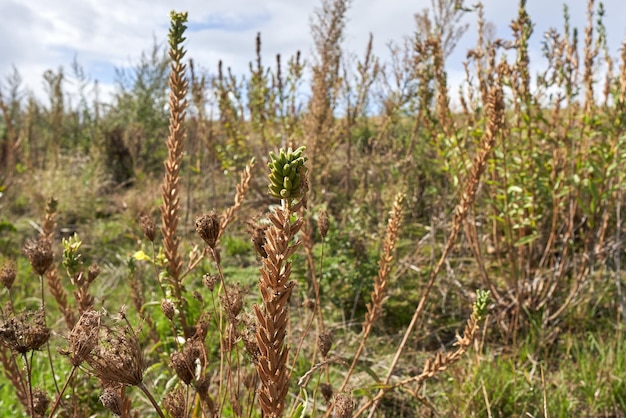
[{"x": 323, "y": 236}]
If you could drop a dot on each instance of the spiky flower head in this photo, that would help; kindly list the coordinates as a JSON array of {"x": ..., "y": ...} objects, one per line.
[
  {"x": 481, "y": 304},
  {"x": 287, "y": 173},
  {"x": 72, "y": 259}
]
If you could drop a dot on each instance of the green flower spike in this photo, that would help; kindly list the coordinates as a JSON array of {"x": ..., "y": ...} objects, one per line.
[{"x": 286, "y": 173}]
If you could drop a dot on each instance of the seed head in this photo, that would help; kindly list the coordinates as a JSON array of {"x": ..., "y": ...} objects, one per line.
[
  {"x": 93, "y": 272},
  {"x": 257, "y": 234},
  {"x": 210, "y": 280},
  {"x": 174, "y": 403},
  {"x": 40, "y": 402},
  {"x": 39, "y": 253},
  {"x": 167, "y": 307},
  {"x": 325, "y": 342},
  {"x": 7, "y": 274},
  {"x": 147, "y": 227},
  {"x": 208, "y": 227},
  {"x": 112, "y": 400},
  {"x": 25, "y": 332},
  {"x": 84, "y": 337},
  {"x": 343, "y": 406},
  {"x": 322, "y": 223}
]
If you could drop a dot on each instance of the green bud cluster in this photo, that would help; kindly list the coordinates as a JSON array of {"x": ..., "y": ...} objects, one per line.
[
  {"x": 481, "y": 303},
  {"x": 286, "y": 173}
]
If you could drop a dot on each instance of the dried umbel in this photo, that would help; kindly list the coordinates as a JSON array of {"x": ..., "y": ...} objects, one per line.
[
  {"x": 168, "y": 309},
  {"x": 25, "y": 332},
  {"x": 40, "y": 402},
  {"x": 232, "y": 300},
  {"x": 186, "y": 361},
  {"x": 93, "y": 272},
  {"x": 83, "y": 338},
  {"x": 325, "y": 342},
  {"x": 322, "y": 223},
  {"x": 174, "y": 403},
  {"x": 327, "y": 392},
  {"x": 39, "y": 253},
  {"x": 117, "y": 356},
  {"x": 112, "y": 400},
  {"x": 210, "y": 280},
  {"x": 257, "y": 234},
  {"x": 342, "y": 406},
  {"x": 148, "y": 227},
  {"x": 7, "y": 274},
  {"x": 208, "y": 227}
]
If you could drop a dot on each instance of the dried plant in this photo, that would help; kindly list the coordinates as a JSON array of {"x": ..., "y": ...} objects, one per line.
[{"x": 287, "y": 182}]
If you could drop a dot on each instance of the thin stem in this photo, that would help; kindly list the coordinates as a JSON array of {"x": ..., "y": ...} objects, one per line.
[
  {"x": 145, "y": 390},
  {"x": 60, "y": 395},
  {"x": 43, "y": 308},
  {"x": 30, "y": 386}
]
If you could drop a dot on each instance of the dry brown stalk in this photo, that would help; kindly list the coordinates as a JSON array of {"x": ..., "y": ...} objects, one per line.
[
  {"x": 374, "y": 309},
  {"x": 118, "y": 358},
  {"x": 175, "y": 147},
  {"x": 495, "y": 109},
  {"x": 590, "y": 54},
  {"x": 435, "y": 365},
  {"x": 53, "y": 280},
  {"x": 241, "y": 189},
  {"x": 276, "y": 287}
]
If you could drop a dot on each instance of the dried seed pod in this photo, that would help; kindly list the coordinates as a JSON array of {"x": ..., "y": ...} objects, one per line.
[
  {"x": 178, "y": 362},
  {"x": 342, "y": 405},
  {"x": 167, "y": 307},
  {"x": 40, "y": 402},
  {"x": 322, "y": 223},
  {"x": 93, "y": 272},
  {"x": 148, "y": 227},
  {"x": 208, "y": 227},
  {"x": 174, "y": 403},
  {"x": 210, "y": 280},
  {"x": 25, "y": 332},
  {"x": 112, "y": 400},
  {"x": 325, "y": 342},
  {"x": 327, "y": 391},
  {"x": 7, "y": 274},
  {"x": 39, "y": 253}
]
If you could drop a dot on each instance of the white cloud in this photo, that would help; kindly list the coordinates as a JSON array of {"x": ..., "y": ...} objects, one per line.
[{"x": 42, "y": 34}]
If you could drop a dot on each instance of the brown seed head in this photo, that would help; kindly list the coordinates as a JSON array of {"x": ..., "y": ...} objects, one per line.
[
  {"x": 7, "y": 274},
  {"x": 322, "y": 223},
  {"x": 25, "y": 332},
  {"x": 210, "y": 280},
  {"x": 325, "y": 342},
  {"x": 257, "y": 234},
  {"x": 117, "y": 357},
  {"x": 167, "y": 307},
  {"x": 327, "y": 391},
  {"x": 147, "y": 227},
  {"x": 112, "y": 400},
  {"x": 208, "y": 227},
  {"x": 234, "y": 303},
  {"x": 39, "y": 253},
  {"x": 84, "y": 337},
  {"x": 178, "y": 362},
  {"x": 40, "y": 402},
  {"x": 93, "y": 272},
  {"x": 174, "y": 403},
  {"x": 343, "y": 406}
]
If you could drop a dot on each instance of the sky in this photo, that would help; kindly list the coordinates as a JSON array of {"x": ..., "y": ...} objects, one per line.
[{"x": 103, "y": 35}]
